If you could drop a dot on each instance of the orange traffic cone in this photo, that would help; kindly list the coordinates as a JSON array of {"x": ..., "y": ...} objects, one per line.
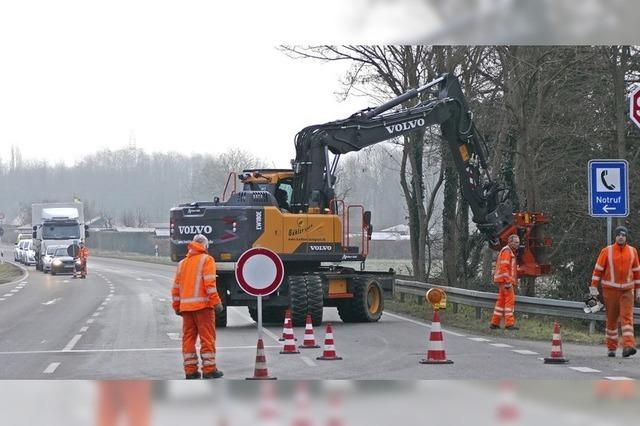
[
  {"x": 329, "y": 353},
  {"x": 287, "y": 315},
  {"x": 335, "y": 417},
  {"x": 261, "y": 372},
  {"x": 309, "y": 340},
  {"x": 435, "y": 352},
  {"x": 302, "y": 416},
  {"x": 289, "y": 339},
  {"x": 556, "y": 347},
  {"x": 507, "y": 410},
  {"x": 267, "y": 410}
]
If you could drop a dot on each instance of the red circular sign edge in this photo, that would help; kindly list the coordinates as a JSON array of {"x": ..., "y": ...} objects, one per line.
[{"x": 244, "y": 257}]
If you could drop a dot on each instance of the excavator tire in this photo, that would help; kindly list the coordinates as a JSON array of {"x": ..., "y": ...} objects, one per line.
[
  {"x": 315, "y": 298},
  {"x": 298, "y": 295},
  {"x": 367, "y": 303}
]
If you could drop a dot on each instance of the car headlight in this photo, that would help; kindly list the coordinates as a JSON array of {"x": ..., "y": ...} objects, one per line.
[{"x": 57, "y": 262}]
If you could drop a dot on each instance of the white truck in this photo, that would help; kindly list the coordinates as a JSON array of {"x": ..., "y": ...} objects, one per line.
[{"x": 56, "y": 224}]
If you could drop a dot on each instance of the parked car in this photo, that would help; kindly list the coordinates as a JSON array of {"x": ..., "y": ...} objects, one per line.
[
  {"x": 48, "y": 258},
  {"x": 62, "y": 262}
]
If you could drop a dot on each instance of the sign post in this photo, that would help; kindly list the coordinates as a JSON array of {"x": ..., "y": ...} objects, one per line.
[
  {"x": 608, "y": 190},
  {"x": 259, "y": 272}
]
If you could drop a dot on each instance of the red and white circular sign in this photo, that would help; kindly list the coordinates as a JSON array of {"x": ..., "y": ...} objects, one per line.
[
  {"x": 634, "y": 109},
  {"x": 259, "y": 271}
]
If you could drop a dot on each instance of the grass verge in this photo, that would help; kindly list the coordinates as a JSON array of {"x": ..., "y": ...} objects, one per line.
[
  {"x": 9, "y": 272},
  {"x": 533, "y": 327}
]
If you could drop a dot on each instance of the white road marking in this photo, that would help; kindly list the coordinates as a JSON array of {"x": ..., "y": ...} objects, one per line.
[
  {"x": 96, "y": 314},
  {"x": 453, "y": 333},
  {"x": 89, "y": 321},
  {"x": 82, "y": 351},
  {"x": 162, "y": 300},
  {"x": 308, "y": 361},
  {"x": 500, "y": 345},
  {"x": 83, "y": 329},
  {"x": 51, "y": 368},
  {"x": 65, "y": 281},
  {"x": 479, "y": 339},
  {"x": 174, "y": 336},
  {"x": 23, "y": 282},
  {"x": 248, "y": 318},
  {"x": 585, "y": 369},
  {"x": 143, "y": 279},
  {"x": 618, "y": 378},
  {"x": 8, "y": 295},
  {"x": 524, "y": 352},
  {"x": 15, "y": 290},
  {"x": 100, "y": 308},
  {"x": 72, "y": 343},
  {"x": 52, "y": 301},
  {"x": 2, "y": 298}
]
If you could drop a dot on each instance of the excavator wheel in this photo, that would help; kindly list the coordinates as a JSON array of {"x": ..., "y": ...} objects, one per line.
[
  {"x": 367, "y": 303},
  {"x": 315, "y": 298},
  {"x": 298, "y": 296}
]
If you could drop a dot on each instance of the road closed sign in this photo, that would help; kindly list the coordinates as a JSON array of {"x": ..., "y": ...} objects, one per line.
[
  {"x": 608, "y": 188},
  {"x": 259, "y": 271}
]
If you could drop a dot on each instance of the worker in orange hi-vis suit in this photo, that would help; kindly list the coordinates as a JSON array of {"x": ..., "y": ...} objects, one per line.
[
  {"x": 618, "y": 270},
  {"x": 506, "y": 277},
  {"x": 83, "y": 255},
  {"x": 195, "y": 296},
  {"x": 123, "y": 398}
]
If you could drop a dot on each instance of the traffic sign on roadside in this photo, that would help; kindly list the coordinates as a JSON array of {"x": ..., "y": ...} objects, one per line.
[
  {"x": 259, "y": 271},
  {"x": 608, "y": 188},
  {"x": 634, "y": 108}
]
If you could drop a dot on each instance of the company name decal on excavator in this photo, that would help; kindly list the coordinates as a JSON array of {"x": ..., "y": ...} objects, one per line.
[
  {"x": 298, "y": 231},
  {"x": 195, "y": 229},
  {"x": 403, "y": 127}
]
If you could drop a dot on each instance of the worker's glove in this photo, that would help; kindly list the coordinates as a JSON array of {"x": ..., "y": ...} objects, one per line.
[
  {"x": 219, "y": 308},
  {"x": 593, "y": 291},
  {"x": 178, "y": 313}
]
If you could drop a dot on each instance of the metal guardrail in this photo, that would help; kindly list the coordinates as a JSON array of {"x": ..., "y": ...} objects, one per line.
[{"x": 482, "y": 299}]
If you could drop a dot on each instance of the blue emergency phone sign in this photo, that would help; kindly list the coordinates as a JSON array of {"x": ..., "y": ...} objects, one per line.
[{"x": 608, "y": 188}]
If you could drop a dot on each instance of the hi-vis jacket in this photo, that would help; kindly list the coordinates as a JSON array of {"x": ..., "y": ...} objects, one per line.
[
  {"x": 506, "y": 268},
  {"x": 83, "y": 253},
  {"x": 617, "y": 267},
  {"x": 194, "y": 286}
]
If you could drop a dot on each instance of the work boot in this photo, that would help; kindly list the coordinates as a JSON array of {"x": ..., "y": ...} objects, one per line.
[
  {"x": 512, "y": 327},
  {"x": 192, "y": 376},
  {"x": 213, "y": 375},
  {"x": 626, "y": 352},
  {"x": 611, "y": 354},
  {"x": 494, "y": 327}
]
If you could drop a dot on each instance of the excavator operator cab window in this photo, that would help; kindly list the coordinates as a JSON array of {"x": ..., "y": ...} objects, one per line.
[{"x": 283, "y": 193}]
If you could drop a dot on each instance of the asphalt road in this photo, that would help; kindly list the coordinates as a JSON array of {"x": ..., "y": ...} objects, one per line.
[{"x": 118, "y": 324}]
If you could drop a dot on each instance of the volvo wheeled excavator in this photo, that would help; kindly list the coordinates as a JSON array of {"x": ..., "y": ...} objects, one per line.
[{"x": 295, "y": 212}]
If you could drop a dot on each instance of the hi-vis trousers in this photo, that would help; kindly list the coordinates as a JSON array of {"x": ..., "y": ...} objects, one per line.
[
  {"x": 505, "y": 306},
  {"x": 619, "y": 306},
  {"x": 199, "y": 323}
]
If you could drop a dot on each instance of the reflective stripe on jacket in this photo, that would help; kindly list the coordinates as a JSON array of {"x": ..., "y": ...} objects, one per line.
[
  {"x": 83, "y": 253},
  {"x": 194, "y": 286},
  {"x": 617, "y": 267},
  {"x": 506, "y": 268}
]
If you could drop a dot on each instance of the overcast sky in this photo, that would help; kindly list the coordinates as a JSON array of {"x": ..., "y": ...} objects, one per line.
[{"x": 77, "y": 77}]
